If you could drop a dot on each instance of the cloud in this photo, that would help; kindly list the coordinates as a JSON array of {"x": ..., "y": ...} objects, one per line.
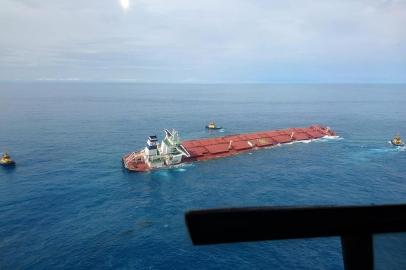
[{"x": 222, "y": 40}]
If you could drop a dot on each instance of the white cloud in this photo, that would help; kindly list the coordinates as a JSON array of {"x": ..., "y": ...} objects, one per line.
[{"x": 206, "y": 40}]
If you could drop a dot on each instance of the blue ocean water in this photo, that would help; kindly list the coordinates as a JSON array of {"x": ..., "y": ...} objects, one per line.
[{"x": 69, "y": 203}]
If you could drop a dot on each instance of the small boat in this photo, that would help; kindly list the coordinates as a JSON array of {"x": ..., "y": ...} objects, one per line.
[
  {"x": 6, "y": 160},
  {"x": 212, "y": 125},
  {"x": 397, "y": 141}
]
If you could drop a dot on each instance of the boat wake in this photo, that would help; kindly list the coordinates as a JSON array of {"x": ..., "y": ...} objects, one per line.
[
  {"x": 396, "y": 148},
  {"x": 372, "y": 153}
]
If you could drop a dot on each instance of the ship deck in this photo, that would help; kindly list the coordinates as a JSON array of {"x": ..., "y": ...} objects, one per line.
[
  {"x": 210, "y": 148},
  {"x": 219, "y": 147}
]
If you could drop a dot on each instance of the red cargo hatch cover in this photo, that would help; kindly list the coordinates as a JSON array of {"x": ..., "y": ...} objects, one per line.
[
  {"x": 197, "y": 151},
  {"x": 187, "y": 144},
  {"x": 235, "y": 138},
  {"x": 253, "y": 136},
  {"x": 282, "y": 139},
  {"x": 217, "y": 148},
  {"x": 301, "y": 136},
  {"x": 241, "y": 145},
  {"x": 314, "y": 134},
  {"x": 272, "y": 134},
  {"x": 190, "y": 144},
  {"x": 220, "y": 140},
  {"x": 207, "y": 142},
  {"x": 264, "y": 142}
]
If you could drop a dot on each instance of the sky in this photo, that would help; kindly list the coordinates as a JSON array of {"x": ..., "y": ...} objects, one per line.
[{"x": 310, "y": 41}]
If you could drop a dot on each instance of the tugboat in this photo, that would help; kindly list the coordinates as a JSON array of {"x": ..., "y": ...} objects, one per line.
[
  {"x": 212, "y": 125},
  {"x": 397, "y": 141},
  {"x": 6, "y": 160}
]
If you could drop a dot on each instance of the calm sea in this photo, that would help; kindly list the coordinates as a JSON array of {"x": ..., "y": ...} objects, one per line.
[{"x": 69, "y": 204}]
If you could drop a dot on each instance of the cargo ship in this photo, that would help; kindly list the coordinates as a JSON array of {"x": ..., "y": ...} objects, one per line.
[{"x": 172, "y": 151}]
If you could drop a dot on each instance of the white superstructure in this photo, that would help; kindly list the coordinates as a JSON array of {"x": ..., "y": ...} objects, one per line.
[
  {"x": 152, "y": 156},
  {"x": 169, "y": 152}
]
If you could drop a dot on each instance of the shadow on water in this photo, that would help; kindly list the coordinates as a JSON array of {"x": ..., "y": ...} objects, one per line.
[{"x": 8, "y": 169}]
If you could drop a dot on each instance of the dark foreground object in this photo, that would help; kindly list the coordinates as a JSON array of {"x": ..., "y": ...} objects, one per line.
[{"x": 354, "y": 224}]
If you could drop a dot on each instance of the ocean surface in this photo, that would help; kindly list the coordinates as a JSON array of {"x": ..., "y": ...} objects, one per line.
[{"x": 69, "y": 204}]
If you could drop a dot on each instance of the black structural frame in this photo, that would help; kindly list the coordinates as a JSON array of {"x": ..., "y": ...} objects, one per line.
[{"x": 355, "y": 225}]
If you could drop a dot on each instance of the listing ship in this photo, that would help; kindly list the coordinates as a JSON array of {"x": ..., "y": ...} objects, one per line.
[{"x": 172, "y": 151}]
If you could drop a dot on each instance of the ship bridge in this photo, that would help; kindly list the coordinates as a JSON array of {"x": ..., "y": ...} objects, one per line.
[{"x": 172, "y": 143}]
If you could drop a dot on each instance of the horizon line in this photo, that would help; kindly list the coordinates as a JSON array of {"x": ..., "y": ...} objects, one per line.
[{"x": 192, "y": 82}]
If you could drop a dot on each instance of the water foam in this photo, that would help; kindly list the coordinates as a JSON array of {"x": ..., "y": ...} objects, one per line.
[
  {"x": 395, "y": 148},
  {"x": 322, "y": 139},
  {"x": 182, "y": 167},
  {"x": 369, "y": 153}
]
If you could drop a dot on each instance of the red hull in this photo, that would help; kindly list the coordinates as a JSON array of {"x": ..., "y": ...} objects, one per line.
[{"x": 212, "y": 148}]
